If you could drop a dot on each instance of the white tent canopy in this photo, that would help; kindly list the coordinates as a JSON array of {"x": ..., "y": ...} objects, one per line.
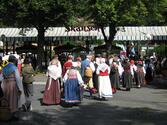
[{"x": 130, "y": 33}]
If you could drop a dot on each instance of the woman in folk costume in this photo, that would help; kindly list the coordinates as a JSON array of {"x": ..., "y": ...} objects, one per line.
[
  {"x": 67, "y": 65},
  {"x": 12, "y": 85},
  {"x": 78, "y": 63},
  {"x": 127, "y": 75},
  {"x": 120, "y": 70},
  {"x": 114, "y": 76},
  {"x": 133, "y": 69},
  {"x": 72, "y": 82},
  {"x": 140, "y": 74},
  {"x": 103, "y": 71},
  {"x": 52, "y": 93}
]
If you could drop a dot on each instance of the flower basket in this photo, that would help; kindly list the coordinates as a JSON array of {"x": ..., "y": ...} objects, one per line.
[{"x": 5, "y": 113}]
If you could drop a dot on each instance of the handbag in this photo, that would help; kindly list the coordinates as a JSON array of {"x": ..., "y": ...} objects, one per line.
[{"x": 88, "y": 72}]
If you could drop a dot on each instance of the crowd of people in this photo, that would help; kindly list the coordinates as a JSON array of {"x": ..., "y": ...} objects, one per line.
[
  {"x": 96, "y": 74},
  {"x": 66, "y": 82}
]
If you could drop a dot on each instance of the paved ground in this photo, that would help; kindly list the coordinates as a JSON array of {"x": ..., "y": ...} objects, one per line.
[{"x": 145, "y": 106}]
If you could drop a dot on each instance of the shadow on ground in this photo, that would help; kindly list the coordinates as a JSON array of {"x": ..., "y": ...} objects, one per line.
[{"x": 93, "y": 114}]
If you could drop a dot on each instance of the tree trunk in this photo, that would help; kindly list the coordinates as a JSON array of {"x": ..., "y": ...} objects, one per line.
[
  {"x": 108, "y": 40},
  {"x": 40, "y": 51},
  {"x": 87, "y": 46}
]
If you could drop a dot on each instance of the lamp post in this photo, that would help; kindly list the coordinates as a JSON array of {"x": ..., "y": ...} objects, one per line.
[{"x": 3, "y": 40}]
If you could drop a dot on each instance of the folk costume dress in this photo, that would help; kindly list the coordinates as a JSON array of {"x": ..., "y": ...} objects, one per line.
[
  {"x": 52, "y": 93},
  {"x": 127, "y": 76},
  {"x": 72, "y": 82},
  {"x": 133, "y": 69},
  {"x": 12, "y": 86},
  {"x": 140, "y": 75},
  {"x": 114, "y": 77},
  {"x": 104, "y": 84}
]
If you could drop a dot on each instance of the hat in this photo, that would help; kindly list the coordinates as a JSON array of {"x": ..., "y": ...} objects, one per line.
[
  {"x": 132, "y": 62},
  {"x": 78, "y": 58},
  {"x": 12, "y": 58},
  {"x": 70, "y": 57}
]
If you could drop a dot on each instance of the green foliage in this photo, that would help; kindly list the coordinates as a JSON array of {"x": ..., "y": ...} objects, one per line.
[
  {"x": 161, "y": 50},
  {"x": 35, "y": 13},
  {"x": 113, "y": 13},
  {"x": 163, "y": 10}
]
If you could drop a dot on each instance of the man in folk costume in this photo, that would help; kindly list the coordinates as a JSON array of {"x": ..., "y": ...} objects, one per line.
[
  {"x": 140, "y": 74},
  {"x": 12, "y": 86},
  {"x": 149, "y": 67},
  {"x": 78, "y": 63},
  {"x": 105, "y": 89},
  {"x": 67, "y": 65},
  {"x": 84, "y": 64},
  {"x": 72, "y": 83},
  {"x": 52, "y": 93},
  {"x": 127, "y": 75},
  {"x": 95, "y": 76},
  {"x": 87, "y": 69}
]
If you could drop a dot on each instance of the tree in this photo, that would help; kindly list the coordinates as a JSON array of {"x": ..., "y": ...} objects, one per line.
[
  {"x": 115, "y": 13},
  {"x": 40, "y": 14}
]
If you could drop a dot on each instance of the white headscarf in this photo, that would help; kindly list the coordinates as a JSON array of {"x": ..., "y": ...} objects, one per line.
[{"x": 103, "y": 66}]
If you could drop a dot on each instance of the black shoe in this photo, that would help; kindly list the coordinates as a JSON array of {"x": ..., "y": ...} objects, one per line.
[
  {"x": 14, "y": 118},
  {"x": 118, "y": 88},
  {"x": 127, "y": 89},
  {"x": 24, "y": 107},
  {"x": 103, "y": 99}
]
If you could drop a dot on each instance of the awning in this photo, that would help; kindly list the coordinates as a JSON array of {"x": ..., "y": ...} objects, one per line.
[
  {"x": 141, "y": 33},
  {"x": 51, "y": 34},
  {"x": 129, "y": 33}
]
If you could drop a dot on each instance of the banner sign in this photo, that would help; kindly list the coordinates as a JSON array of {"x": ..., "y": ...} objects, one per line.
[{"x": 82, "y": 28}]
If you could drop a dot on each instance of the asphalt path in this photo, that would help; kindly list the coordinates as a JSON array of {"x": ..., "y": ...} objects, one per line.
[{"x": 144, "y": 106}]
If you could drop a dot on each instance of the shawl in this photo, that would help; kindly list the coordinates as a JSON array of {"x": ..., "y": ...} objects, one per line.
[
  {"x": 53, "y": 71},
  {"x": 8, "y": 69},
  {"x": 103, "y": 67}
]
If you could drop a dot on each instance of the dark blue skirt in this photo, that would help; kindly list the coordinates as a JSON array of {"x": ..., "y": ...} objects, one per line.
[{"x": 72, "y": 91}]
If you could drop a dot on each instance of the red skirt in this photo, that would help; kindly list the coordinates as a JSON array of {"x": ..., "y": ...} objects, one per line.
[{"x": 53, "y": 94}]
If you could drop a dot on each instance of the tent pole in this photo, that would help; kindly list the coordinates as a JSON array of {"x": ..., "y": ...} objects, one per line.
[
  {"x": 14, "y": 47},
  {"x": 50, "y": 49},
  {"x": 6, "y": 47}
]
